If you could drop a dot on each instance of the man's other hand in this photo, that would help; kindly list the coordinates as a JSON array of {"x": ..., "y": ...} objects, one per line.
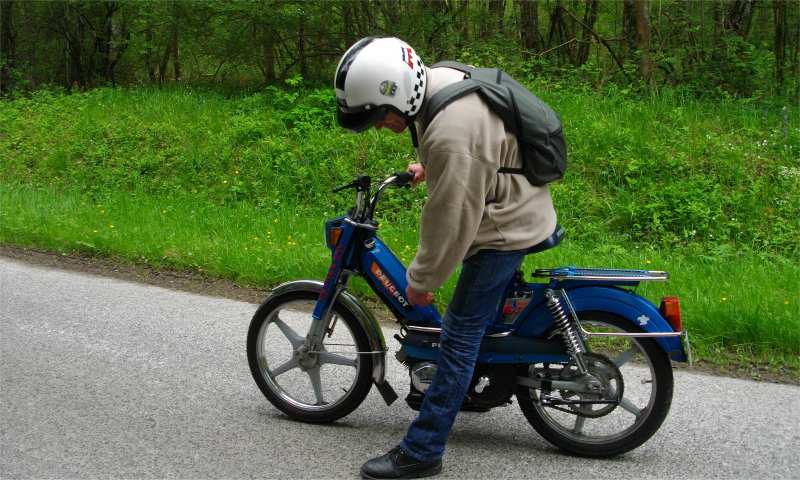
[{"x": 422, "y": 299}]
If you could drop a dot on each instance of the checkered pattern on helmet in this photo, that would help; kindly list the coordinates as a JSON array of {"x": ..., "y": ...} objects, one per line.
[{"x": 419, "y": 88}]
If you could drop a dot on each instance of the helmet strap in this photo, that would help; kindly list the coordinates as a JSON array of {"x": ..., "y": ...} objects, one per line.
[{"x": 412, "y": 129}]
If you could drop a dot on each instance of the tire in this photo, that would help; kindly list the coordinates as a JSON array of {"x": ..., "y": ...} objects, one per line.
[
  {"x": 343, "y": 377},
  {"x": 641, "y": 363}
]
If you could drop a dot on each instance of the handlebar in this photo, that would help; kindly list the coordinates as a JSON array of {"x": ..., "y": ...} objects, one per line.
[
  {"x": 362, "y": 184},
  {"x": 404, "y": 178}
]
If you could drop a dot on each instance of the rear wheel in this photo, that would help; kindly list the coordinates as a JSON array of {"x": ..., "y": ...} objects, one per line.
[
  {"x": 312, "y": 386},
  {"x": 635, "y": 372}
]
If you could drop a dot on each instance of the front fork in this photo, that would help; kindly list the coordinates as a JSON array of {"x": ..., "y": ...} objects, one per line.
[{"x": 322, "y": 325}]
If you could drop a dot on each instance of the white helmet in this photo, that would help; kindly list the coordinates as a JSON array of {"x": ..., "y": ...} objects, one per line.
[{"x": 377, "y": 75}]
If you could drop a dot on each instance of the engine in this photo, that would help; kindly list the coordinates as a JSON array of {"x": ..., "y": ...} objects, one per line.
[{"x": 491, "y": 385}]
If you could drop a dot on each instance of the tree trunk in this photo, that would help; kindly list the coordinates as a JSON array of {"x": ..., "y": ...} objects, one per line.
[
  {"x": 176, "y": 64},
  {"x": 149, "y": 54},
  {"x": 301, "y": 48},
  {"x": 368, "y": 10},
  {"x": 739, "y": 17},
  {"x": 7, "y": 47},
  {"x": 629, "y": 26},
  {"x": 531, "y": 38},
  {"x": 162, "y": 67},
  {"x": 269, "y": 58},
  {"x": 719, "y": 21},
  {"x": 121, "y": 36},
  {"x": 797, "y": 61},
  {"x": 643, "y": 39},
  {"x": 694, "y": 38},
  {"x": 349, "y": 33},
  {"x": 561, "y": 34},
  {"x": 779, "y": 46},
  {"x": 702, "y": 23},
  {"x": 462, "y": 19},
  {"x": 104, "y": 39},
  {"x": 589, "y": 18},
  {"x": 73, "y": 32},
  {"x": 496, "y": 15}
]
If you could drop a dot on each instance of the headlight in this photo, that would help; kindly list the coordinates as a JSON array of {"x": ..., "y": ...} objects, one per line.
[{"x": 333, "y": 236}]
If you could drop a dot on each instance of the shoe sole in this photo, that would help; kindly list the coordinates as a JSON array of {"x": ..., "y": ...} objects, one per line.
[{"x": 425, "y": 473}]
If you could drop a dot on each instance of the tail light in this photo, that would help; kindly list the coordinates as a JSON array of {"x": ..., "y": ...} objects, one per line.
[{"x": 671, "y": 310}]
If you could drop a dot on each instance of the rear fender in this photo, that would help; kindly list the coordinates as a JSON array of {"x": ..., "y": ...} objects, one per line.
[
  {"x": 622, "y": 303},
  {"x": 636, "y": 309},
  {"x": 364, "y": 317}
]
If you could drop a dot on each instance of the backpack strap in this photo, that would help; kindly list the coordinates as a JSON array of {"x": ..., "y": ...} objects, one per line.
[
  {"x": 444, "y": 97},
  {"x": 461, "y": 67},
  {"x": 433, "y": 105},
  {"x": 447, "y": 95},
  {"x": 451, "y": 92}
]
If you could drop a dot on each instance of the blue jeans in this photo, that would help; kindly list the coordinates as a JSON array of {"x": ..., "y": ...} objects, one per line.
[{"x": 480, "y": 289}]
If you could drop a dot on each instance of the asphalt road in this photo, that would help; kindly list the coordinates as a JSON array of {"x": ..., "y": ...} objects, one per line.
[{"x": 102, "y": 378}]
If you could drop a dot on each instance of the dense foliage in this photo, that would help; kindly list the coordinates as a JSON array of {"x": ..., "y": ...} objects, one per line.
[
  {"x": 667, "y": 170},
  {"x": 747, "y": 48}
]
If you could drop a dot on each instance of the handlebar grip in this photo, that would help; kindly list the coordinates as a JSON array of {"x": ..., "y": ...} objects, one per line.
[{"x": 404, "y": 178}]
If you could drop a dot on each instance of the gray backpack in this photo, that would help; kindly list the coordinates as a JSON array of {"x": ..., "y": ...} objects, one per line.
[{"x": 537, "y": 127}]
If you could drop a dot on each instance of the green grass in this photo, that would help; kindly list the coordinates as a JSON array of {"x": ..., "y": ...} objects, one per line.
[
  {"x": 238, "y": 187},
  {"x": 667, "y": 171},
  {"x": 745, "y": 304}
]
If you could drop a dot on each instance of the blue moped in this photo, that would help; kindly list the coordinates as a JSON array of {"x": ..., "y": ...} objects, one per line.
[{"x": 588, "y": 360}]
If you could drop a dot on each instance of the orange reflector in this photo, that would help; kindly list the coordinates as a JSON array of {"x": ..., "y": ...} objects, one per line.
[
  {"x": 334, "y": 236},
  {"x": 671, "y": 310}
]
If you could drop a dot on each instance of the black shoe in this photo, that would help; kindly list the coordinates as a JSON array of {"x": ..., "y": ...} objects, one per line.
[{"x": 396, "y": 464}]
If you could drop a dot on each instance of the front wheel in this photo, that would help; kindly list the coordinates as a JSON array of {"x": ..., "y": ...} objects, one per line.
[
  {"x": 637, "y": 375},
  {"x": 316, "y": 386}
]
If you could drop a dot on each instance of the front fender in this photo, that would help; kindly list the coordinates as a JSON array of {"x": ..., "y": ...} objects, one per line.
[
  {"x": 632, "y": 307},
  {"x": 364, "y": 317}
]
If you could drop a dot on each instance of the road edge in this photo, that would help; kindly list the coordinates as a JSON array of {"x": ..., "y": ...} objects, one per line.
[{"x": 203, "y": 284}]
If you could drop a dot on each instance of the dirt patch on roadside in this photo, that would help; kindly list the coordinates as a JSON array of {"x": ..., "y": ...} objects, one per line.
[
  {"x": 116, "y": 268},
  {"x": 194, "y": 282}
]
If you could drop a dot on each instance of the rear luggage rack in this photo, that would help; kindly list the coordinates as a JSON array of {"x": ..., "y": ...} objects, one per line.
[{"x": 601, "y": 274}]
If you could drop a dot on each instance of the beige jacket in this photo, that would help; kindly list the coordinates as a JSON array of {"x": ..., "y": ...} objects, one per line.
[{"x": 470, "y": 207}]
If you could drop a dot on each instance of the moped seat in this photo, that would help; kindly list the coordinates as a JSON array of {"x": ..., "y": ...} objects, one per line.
[{"x": 549, "y": 242}]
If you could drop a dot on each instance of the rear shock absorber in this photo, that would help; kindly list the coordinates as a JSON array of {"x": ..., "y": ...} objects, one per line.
[{"x": 569, "y": 331}]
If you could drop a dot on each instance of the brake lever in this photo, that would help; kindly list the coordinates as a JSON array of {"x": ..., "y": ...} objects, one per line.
[
  {"x": 361, "y": 184},
  {"x": 352, "y": 184}
]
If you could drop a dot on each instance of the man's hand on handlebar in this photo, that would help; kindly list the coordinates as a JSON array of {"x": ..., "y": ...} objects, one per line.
[{"x": 419, "y": 173}]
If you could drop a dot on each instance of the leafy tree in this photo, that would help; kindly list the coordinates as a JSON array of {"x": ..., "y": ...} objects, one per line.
[{"x": 739, "y": 47}]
